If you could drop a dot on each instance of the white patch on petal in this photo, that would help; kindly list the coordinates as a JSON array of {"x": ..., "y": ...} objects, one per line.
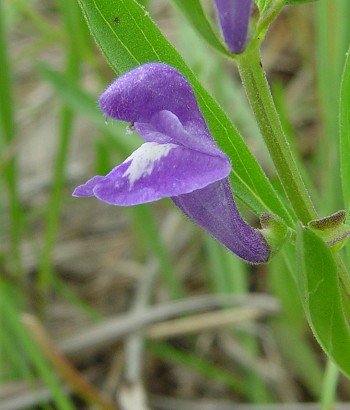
[{"x": 144, "y": 159}]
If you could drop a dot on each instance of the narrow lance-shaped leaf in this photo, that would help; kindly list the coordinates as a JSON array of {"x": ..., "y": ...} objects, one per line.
[
  {"x": 128, "y": 38},
  {"x": 317, "y": 278},
  {"x": 344, "y": 119}
]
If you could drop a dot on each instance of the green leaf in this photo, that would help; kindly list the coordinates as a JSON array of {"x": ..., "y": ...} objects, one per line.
[
  {"x": 289, "y": 326},
  {"x": 195, "y": 14},
  {"x": 344, "y": 122},
  {"x": 332, "y": 43},
  {"x": 317, "y": 278},
  {"x": 128, "y": 38},
  {"x": 298, "y": 1}
]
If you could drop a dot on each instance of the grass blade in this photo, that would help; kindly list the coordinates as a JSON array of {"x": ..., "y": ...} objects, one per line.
[
  {"x": 7, "y": 141},
  {"x": 71, "y": 17},
  {"x": 28, "y": 350},
  {"x": 199, "y": 365},
  {"x": 317, "y": 278}
]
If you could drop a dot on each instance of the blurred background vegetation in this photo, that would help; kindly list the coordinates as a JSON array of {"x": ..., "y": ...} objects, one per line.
[{"x": 79, "y": 280}]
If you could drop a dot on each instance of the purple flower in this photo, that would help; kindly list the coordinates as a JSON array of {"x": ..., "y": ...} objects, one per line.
[
  {"x": 179, "y": 158},
  {"x": 234, "y": 18}
]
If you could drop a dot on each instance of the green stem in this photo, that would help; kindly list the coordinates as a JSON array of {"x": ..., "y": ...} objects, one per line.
[
  {"x": 330, "y": 382},
  {"x": 268, "y": 18},
  {"x": 260, "y": 98}
]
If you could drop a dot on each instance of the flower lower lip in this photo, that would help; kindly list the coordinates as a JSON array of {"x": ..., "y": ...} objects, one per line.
[{"x": 156, "y": 171}]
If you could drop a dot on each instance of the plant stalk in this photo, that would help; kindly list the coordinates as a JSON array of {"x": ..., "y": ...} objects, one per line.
[
  {"x": 268, "y": 18},
  {"x": 261, "y": 101},
  {"x": 330, "y": 384}
]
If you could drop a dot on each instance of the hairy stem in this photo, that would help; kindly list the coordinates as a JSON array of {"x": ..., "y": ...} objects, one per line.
[{"x": 260, "y": 98}]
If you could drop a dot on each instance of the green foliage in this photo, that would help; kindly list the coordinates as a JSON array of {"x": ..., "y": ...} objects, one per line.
[
  {"x": 333, "y": 41},
  {"x": 9, "y": 167},
  {"x": 289, "y": 326},
  {"x": 309, "y": 277},
  {"x": 317, "y": 278},
  {"x": 263, "y": 5},
  {"x": 344, "y": 120},
  {"x": 19, "y": 345}
]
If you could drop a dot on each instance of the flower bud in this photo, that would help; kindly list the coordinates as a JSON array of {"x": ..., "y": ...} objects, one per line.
[{"x": 234, "y": 16}]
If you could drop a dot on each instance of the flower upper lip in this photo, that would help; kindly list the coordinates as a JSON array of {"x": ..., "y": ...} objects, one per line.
[{"x": 138, "y": 94}]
